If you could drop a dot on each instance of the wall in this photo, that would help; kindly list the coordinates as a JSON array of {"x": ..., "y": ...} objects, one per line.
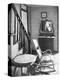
[{"x": 36, "y": 19}]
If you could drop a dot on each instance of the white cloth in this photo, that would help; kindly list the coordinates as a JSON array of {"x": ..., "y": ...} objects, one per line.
[{"x": 37, "y": 47}]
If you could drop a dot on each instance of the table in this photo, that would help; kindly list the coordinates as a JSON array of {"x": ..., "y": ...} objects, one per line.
[
  {"x": 23, "y": 60},
  {"x": 46, "y": 42}
]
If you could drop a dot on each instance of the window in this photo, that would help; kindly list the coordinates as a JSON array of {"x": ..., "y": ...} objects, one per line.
[{"x": 9, "y": 27}]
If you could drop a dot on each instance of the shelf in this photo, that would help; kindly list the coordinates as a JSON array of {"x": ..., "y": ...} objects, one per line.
[{"x": 46, "y": 36}]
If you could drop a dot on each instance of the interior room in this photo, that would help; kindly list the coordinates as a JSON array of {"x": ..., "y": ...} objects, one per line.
[{"x": 33, "y": 39}]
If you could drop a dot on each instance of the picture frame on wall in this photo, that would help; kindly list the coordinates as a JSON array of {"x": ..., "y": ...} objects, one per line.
[{"x": 43, "y": 14}]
